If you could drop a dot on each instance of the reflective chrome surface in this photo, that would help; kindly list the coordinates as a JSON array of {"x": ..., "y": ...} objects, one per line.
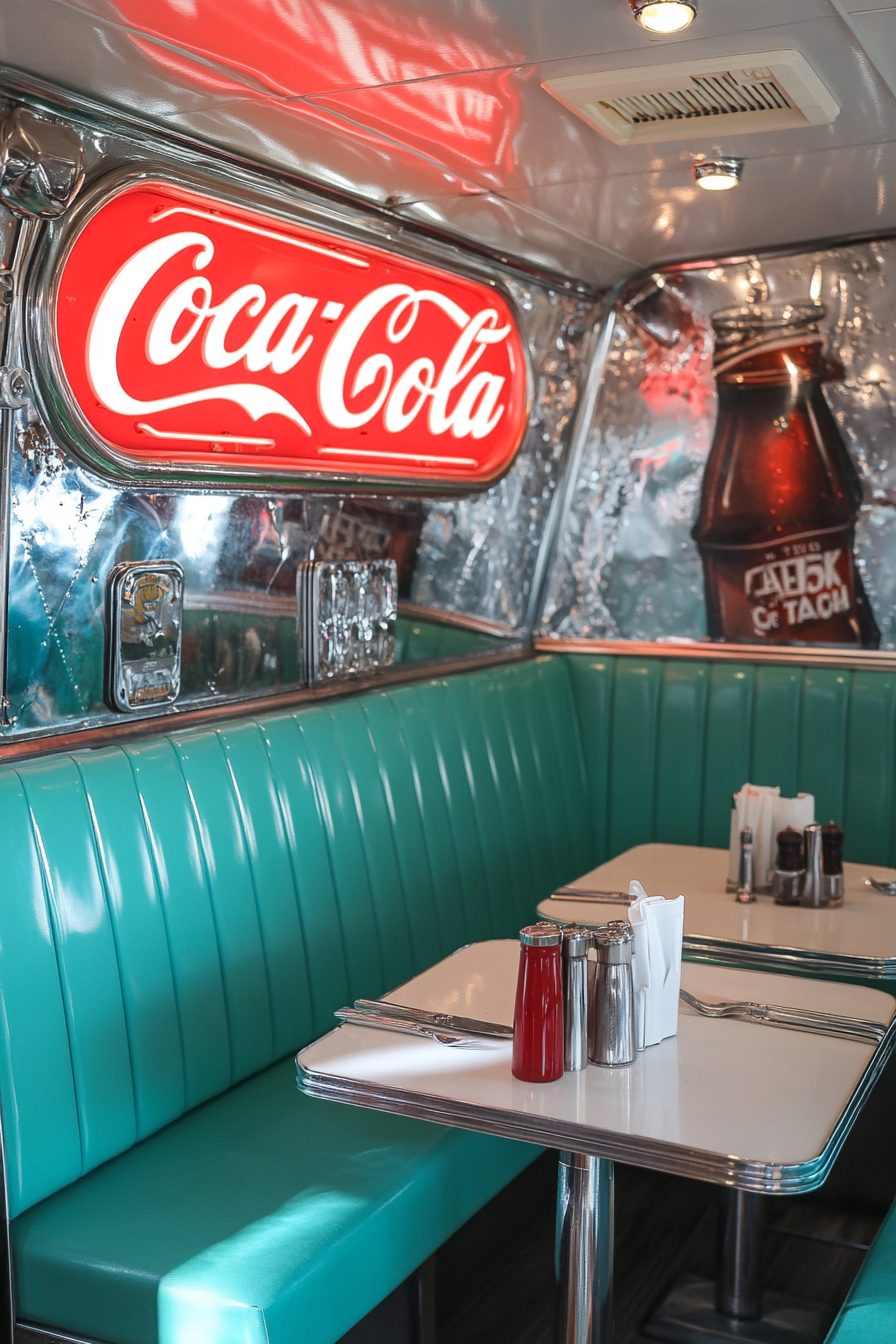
[
  {"x": 584, "y": 1250},
  {"x": 473, "y": 560},
  {"x": 611, "y": 1010},
  {"x": 436, "y": 113},
  {"x": 574, "y": 953},
  {"x": 144, "y": 632},
  {"x": 346, "y": 617},
  {"x": 739, "y": 1285},
  {"x": 41, "y": 165},
  {"x": 812, "y": 893}
]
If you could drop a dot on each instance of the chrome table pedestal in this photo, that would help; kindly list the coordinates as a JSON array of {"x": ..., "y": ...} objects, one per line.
[
  {"x": 584, "y": 1256},
  {"x": 698, "y": 1311}
]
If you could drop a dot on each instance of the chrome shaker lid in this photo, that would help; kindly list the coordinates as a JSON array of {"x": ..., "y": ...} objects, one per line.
[
  {"x": 542, "y": 934},
  {"x": 613, "y": 942},
  {"x": 575, "y": 940}
]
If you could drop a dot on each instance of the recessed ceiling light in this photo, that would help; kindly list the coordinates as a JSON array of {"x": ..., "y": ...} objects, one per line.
[
  {"x": 718, "y": 174},
  {"x": 664, "y": 16}
]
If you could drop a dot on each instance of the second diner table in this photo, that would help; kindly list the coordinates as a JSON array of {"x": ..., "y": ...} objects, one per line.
[{"x": 852, "y": 941}]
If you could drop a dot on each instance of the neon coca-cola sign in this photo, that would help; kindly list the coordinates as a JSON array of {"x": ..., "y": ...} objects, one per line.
[{"x": 192, "y": 334}]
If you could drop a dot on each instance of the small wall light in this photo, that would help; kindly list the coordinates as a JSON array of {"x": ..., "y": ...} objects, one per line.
[
  {"x": 718, "y": 174},
  {"x": 664, "y": 16}
]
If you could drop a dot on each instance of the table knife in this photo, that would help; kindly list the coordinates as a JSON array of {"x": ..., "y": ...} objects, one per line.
[
  {"x": 444, "y": 1021},
  {"x": 407, "y": 1027},
  {"x": 585, "y": 894}
]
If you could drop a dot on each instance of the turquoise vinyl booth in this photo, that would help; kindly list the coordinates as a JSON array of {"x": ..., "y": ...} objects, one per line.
[{"x": 185, "y": 910}]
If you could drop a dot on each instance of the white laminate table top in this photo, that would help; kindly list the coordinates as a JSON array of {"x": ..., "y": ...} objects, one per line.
[
  {"x": 737, "y": 1103},
  {"x": 857, "y": 936}
]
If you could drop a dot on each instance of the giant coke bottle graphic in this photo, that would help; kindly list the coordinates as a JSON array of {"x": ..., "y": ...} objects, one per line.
[{"x": 780, "y": 492}]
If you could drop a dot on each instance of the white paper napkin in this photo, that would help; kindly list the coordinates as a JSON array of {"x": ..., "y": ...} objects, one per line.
[
  {"x": 798, "y": 812},
  {"x": 658, "y": 927},
  {"x": 755, "y": 808}
]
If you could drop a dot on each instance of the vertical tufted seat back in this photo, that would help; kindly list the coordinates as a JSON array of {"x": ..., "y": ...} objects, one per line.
[{"x": 181, "y": 912}]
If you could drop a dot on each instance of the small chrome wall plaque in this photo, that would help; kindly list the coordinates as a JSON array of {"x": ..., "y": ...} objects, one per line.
[
  {"x": 144, "y": 625},
  {"x": 346, "y": 617}
]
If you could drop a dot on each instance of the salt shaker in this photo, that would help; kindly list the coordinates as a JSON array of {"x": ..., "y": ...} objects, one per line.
[
  {"x": 538, "y": 1014},
  {"x": 789, "y": 872},
  {"x": 832, "y": 863},
  {"x": 813, "y": 886},
  {"x": 745, "y": 891},
  {"x": 575, "y": 996},
  {"x": 611, "y": 1012}
]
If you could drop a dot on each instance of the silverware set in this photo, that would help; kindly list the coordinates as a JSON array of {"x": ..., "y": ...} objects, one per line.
[
  {"x": 441, "y": 1027},
  {"x": 587, "y": 894},
  {"x": 464, "y": 1031},
  {"x": 886, "y": 888},
  {"x": 797, "y": 1019}
]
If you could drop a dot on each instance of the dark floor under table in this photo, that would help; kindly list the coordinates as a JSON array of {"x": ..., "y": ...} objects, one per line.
[{"x": 495, "y": 1277}]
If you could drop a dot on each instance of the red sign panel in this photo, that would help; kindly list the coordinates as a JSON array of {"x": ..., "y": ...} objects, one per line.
[{"x": 193, "y": 332}]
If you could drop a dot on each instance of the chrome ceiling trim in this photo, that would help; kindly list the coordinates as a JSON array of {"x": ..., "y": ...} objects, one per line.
[
  {"x": 800, "y": 655},
  {"x": 69, "y": 426},
  {"x": 697, "y": 1164},
  {"x": 90, "y": 733}
]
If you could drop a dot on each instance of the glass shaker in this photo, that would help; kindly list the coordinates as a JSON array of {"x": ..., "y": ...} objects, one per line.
[
  {"x": 538, "y": 1044},
  {"x": 781, "y": 493}
]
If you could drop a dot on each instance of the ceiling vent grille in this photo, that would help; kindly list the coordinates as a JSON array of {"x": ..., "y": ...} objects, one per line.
[{"x": 770, "y": 90}]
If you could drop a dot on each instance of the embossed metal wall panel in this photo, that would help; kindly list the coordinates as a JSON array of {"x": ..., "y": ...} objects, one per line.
[{"x": 471, "y": 560}]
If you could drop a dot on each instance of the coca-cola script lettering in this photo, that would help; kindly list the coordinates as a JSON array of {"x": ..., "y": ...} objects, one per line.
[{"x": 192, "y": 332}]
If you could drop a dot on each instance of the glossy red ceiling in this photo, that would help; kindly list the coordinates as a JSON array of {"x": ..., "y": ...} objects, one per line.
[{"x": 437, "y": 109}]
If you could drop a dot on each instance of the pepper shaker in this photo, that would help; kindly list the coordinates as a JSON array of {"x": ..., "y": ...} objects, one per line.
[
  {"x": 789, "y": 871},
  {"x": 611, "y": 1012},
  {"x": 538, "y": 1013},
  {"x": 575, "y": 996},
  {"x": 832, "y": 863}
]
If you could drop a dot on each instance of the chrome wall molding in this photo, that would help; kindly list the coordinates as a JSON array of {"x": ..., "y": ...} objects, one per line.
[
  {"x": 760, "y": 1178},
  {"x": 796, "y": 655},
  {"x": 92, "y": 734},
  {"x": 582, "y": 428},
  {"x": 412, "y": 612}
]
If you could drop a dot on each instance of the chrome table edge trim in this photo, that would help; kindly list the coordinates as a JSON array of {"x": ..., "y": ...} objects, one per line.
[
  {"x": 744, "y": 1174},
  {"x": 763, "y": 956}
]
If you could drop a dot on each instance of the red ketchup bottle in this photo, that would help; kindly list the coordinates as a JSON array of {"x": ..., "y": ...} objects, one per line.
[{"x": 538, "y": 1015}]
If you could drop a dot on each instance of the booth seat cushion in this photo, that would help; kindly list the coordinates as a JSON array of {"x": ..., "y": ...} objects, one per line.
[
  {"x": 868, "y": 1315},
  {"x": 262, "y": 1217}
]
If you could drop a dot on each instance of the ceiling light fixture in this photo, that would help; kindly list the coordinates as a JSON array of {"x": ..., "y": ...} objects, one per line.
[
  {"x": 664, "y": 16},
  {"x": 718, "y": 174}
]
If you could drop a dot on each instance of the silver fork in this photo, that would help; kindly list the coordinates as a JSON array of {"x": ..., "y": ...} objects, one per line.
[
  {"x": 797, "y": 1019},
  {"x": 888, "y": 888}
]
